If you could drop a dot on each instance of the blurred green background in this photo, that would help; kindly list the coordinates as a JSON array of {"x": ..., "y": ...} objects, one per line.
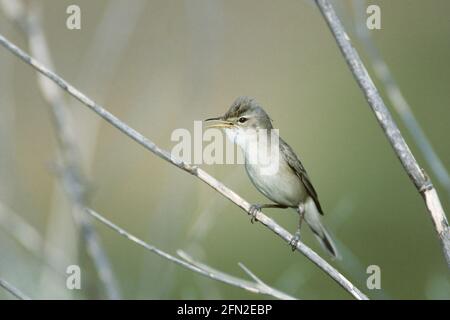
[{"x": 160, "y": 65}]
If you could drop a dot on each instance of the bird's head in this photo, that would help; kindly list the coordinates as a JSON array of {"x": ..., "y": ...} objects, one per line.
[{"x": 245, "y": 113}]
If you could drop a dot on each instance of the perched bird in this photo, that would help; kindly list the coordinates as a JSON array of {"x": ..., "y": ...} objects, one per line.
[{"x": 273, "y": 167}]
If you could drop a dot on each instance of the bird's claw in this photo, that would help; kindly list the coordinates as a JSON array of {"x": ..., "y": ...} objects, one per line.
[
  {"x": 253, "y": 211},
  {"x": 294, "y": 241}
]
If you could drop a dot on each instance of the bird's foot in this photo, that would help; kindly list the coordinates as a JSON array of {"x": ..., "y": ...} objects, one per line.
[
  {"x": 254, "y": 208},
  {"x": 295, "y": 240}
]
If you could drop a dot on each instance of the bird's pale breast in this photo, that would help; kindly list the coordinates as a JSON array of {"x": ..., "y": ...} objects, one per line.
[{"x": 282, "y": 186}]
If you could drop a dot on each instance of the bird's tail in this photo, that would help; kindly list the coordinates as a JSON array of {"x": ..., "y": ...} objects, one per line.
[{"x": 312, "y": 218}]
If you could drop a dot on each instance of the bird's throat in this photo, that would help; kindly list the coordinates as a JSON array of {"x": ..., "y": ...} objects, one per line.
[{"x": 258, "y": 146}]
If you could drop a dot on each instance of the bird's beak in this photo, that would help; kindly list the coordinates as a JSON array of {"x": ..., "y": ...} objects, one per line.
[{"x": 220, "y": 123}]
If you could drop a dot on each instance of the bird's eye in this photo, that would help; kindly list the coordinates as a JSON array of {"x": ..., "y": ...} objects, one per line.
[{"x": 242, "y": 119}]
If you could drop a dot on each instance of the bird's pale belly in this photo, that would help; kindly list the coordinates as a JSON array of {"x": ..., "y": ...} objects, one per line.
[{"x": 283, "y": 187}]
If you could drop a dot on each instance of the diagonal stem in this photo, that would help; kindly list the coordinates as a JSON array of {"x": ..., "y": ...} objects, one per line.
[
  {"x": 13, "y": 290},
  {"x": 70, "y": 172},
  {"x": 397, "y": 99},
  {"x": 415, "y": 172},
  {"x": 191, "y": 264},
  {"x": 195, "y": 171}
]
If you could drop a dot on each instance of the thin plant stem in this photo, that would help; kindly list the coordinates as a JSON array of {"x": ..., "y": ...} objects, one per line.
[
  {"x": 193, "y": 170},
  {"x": 417, "y": 175}
]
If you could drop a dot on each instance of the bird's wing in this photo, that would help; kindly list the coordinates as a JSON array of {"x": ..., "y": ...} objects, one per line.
[{"x": 293, "y": 161}]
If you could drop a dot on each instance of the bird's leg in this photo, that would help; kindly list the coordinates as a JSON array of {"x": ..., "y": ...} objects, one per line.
[
  {"x": 254, "y": 208},
  {"x": 296, "y": 238}
]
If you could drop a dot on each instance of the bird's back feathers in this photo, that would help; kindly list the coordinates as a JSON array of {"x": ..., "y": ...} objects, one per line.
[{"x": 296, "y": 165}]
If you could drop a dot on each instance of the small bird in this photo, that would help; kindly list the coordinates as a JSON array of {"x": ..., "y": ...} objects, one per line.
[{"x": 289, "y": 186}]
